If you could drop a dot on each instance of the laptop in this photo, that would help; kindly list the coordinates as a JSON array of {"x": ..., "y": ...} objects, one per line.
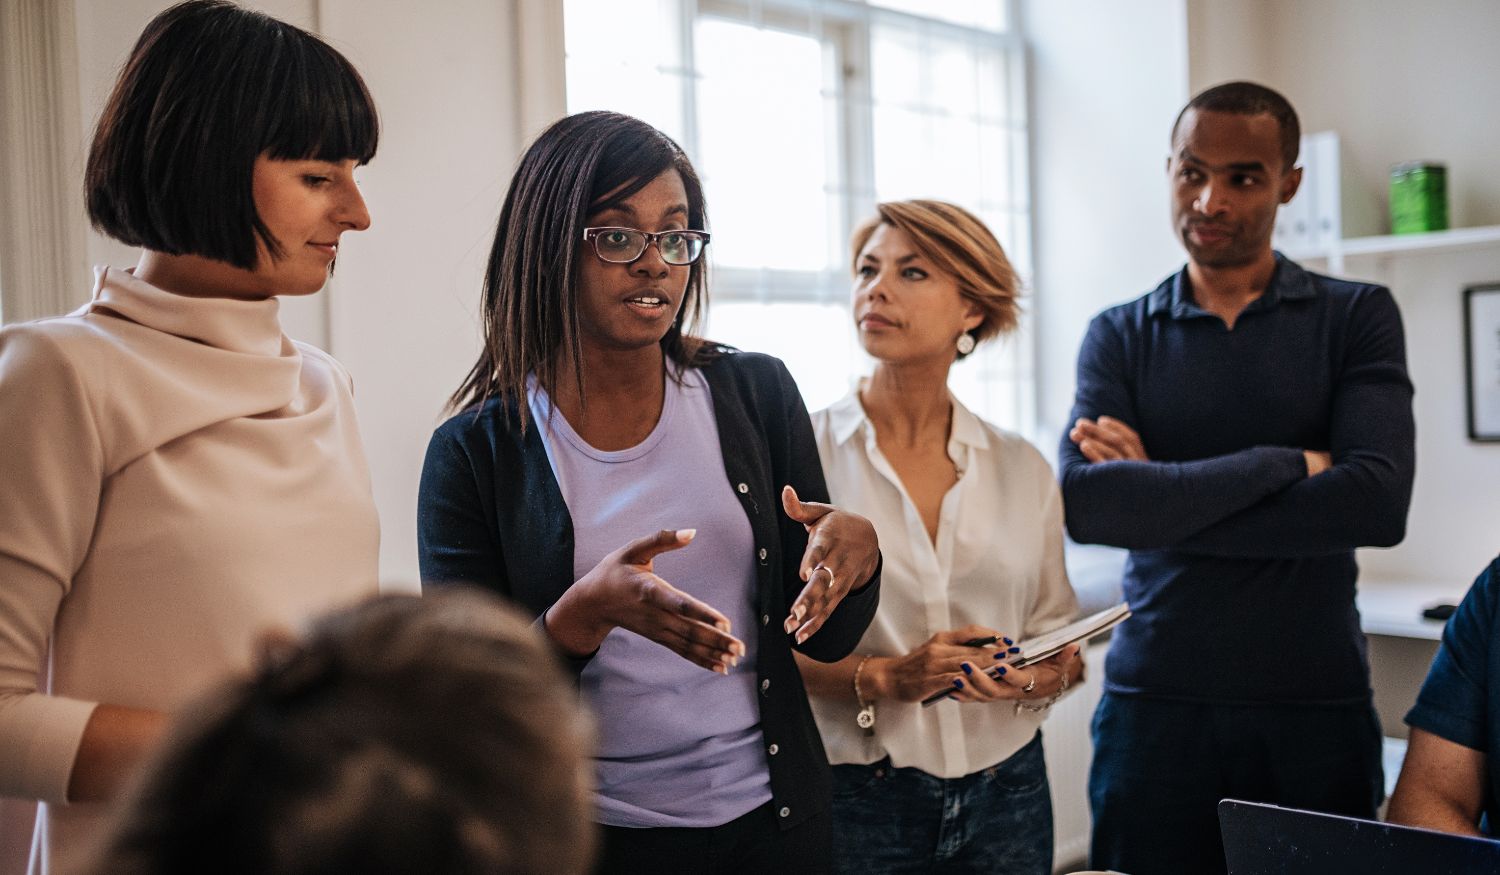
[{"x": 1264, "y": 839}]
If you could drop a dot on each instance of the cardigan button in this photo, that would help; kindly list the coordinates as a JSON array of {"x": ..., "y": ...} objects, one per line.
[
  {"x": 763, "y": 555},
  {"x": 765, "y": 619},
  {"x": 765, "y": 686},
  {"x": 785, "y": 812},
  {"x": 743, "y": 488},
  {"x": 773, "y": 750}
]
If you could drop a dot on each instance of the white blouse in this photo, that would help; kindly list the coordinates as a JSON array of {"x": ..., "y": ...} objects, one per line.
[{"x": 998, "y": 562}]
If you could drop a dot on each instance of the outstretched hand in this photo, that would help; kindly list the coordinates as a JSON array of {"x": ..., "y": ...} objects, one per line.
[
  {"x": 623, "y": 591},
  {"x": 842, "y": 552}
]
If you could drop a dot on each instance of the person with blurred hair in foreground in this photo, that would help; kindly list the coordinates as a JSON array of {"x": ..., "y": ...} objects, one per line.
[{"x": 404, "y": 735}]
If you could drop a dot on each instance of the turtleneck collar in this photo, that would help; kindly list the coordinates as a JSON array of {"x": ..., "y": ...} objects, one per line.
[{"x": 252, "y": 327}]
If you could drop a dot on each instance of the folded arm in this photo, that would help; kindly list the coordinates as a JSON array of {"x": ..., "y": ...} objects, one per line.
[
  {"x": 1362, "y": 500},
  {"x": 1127, "y": 501}
]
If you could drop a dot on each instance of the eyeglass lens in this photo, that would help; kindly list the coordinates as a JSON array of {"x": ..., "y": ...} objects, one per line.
[{"x": 624, "y": 245}]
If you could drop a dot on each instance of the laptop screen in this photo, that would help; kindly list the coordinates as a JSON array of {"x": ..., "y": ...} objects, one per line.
[{"x": 1264, "y": 839}]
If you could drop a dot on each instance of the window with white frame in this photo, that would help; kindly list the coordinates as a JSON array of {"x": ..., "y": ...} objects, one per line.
[{"x": 801, "y": 115}]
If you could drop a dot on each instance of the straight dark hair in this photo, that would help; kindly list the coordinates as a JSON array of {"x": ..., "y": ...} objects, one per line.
[
  {"x": 208, "y": 89},
  {"x": 579, "y": 166}
]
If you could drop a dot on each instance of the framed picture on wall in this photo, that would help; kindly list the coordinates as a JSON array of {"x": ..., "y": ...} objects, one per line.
[{"x": 1482, "y": 354}]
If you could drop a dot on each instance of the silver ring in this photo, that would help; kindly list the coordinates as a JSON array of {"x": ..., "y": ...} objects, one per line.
[
  {"x": 828, "y": 571},
  {"x": 1030, "y": 685}
]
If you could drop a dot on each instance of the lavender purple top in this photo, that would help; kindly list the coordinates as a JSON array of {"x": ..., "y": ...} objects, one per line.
[{"x": 678, "y": 745}]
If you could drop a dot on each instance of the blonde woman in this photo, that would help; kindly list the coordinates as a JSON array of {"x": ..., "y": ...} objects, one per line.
[{"x": 970, "y": 522}]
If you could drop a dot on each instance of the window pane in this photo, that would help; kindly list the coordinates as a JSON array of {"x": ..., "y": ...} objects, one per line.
[
  {"x": 986, "y": 14},
  {"x": 762, "y": 145},
  {"x": 621, "y": 57},
  {"x": 815, "y": 340}
]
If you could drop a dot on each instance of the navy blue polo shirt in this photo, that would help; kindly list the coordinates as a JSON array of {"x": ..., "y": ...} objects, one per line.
[
  {"x": 1460, "y": 700},
  {"x": 1241, "y": 571}
]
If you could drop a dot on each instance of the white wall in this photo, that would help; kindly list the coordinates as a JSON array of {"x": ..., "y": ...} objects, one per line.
[
  {"x": 405, "y": 304},
  {"x": 1400, "y": 81},
  {"x": 1107, "y": 80}
]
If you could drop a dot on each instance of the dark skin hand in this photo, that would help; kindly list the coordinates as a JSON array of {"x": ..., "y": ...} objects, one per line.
[
  {"x": 842, "y": 552},
  {"x": 623, "y": 591}
]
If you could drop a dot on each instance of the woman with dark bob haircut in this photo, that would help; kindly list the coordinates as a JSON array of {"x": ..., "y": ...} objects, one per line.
[
  {"x": 405, "y": 735},
  {"x": 639, "y": 490},
  {"x": 177, "y": 473}
]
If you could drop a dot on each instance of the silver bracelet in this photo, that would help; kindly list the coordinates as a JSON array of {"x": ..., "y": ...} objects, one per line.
[
  {"x": 1046, "y": 703},
  {"x": 865, "y": 719}
]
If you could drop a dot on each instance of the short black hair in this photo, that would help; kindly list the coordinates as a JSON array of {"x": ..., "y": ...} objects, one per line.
[
  {"x": 1250, "y": 98},
  {"x": 581, "y": 165},
  {"x": 208, "y": 88}
]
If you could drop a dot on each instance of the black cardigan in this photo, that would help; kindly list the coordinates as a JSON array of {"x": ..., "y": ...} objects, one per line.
[{"x": 490, "y": 512}]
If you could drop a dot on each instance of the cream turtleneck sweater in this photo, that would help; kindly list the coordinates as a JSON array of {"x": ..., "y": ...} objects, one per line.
[{"x": 176, "y": 476}]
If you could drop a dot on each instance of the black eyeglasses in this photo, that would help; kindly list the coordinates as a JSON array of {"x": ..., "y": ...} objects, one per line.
[{"x": 624, "y": 245}]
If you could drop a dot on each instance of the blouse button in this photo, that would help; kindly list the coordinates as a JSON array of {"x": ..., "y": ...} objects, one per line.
[{"x": 743, "y": 488}]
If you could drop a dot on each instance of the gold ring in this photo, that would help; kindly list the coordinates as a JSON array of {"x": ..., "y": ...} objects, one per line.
[{"x": 1030, "y": 685}]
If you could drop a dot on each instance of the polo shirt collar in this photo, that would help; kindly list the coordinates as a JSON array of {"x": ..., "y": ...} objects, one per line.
[{"x": 1289, "y": 282}]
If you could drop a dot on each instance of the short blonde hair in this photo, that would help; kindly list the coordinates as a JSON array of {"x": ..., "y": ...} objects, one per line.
[{"x": 960, "y": 245}]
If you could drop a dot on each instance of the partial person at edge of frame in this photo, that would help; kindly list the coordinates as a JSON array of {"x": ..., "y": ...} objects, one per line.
[
  {"x": 178, "y": 473},
  {"x": 1242, "y": 429},
  {"x": 1450, "y": 779},
  {"x": 656, "y": 501},
  {"x": 437, "y": 735},
  {"x": 971, "y": 529}
]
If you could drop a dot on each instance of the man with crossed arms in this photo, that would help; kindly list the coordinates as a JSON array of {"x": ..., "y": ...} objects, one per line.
[{"x": 1241, "y": 429}]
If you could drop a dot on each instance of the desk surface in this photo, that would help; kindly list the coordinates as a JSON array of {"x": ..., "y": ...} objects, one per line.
[{"x": 1394, "y": 607}]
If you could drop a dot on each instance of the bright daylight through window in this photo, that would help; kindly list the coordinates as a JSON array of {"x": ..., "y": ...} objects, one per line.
[{"x": 800, "y": 115}]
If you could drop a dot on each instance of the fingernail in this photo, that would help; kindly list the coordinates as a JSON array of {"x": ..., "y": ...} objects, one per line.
[
  {"x": 968, "y": 669},
  {"x": 798, "y": 611},
  {"x": 789, "y": 625},
  {"x": 1002, "y": 669},
  {"x": 686, "y": 534},
  {"x": 1014, "y": 650},
  {"x": 801, "y": 637},
  {"x": 958, "y": 683},
  {"x": 1002, "y": 655},
  {"x": 1007, "y": 641}
]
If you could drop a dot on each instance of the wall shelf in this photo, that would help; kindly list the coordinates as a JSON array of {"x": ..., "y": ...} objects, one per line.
[{"x": 1389, "y": 244}]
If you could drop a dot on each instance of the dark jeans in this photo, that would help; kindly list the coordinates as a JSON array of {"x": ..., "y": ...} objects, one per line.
[
  {"x": 750, "y": 844},
  {"x": 1160, "y": 769},
  {"x": 997, "y": 820}
]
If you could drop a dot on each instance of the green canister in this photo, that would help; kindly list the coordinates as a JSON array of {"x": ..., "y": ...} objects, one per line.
[{"x": 1419, "y": 197}]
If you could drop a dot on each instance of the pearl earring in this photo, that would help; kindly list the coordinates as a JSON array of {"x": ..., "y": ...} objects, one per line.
[{"x": 965, "y": 343}]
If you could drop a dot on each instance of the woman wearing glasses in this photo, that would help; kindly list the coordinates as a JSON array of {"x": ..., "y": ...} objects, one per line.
[
  {"x": 176, "y": 474},
  {"x": 641, "y": 490},
  {"x": 970, "y": 521}
]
